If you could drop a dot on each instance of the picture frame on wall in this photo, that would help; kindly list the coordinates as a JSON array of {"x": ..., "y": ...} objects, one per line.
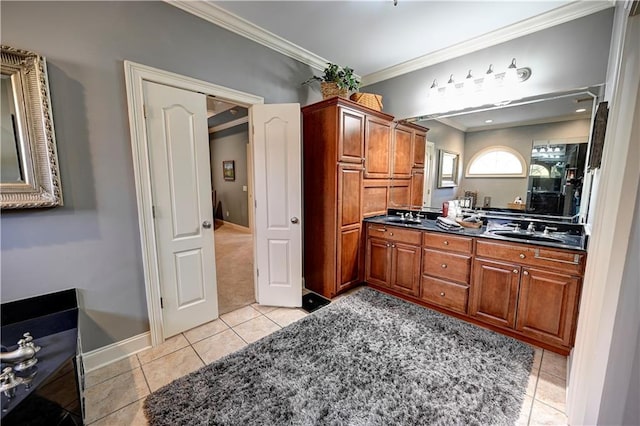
[{"x": 229, "y": 170}]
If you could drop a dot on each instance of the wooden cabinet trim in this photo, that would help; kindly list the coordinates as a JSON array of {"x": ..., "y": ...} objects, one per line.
[{"x": 531, "y": 255}]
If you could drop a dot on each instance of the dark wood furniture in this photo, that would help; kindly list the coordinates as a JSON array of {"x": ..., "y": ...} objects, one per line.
[
  {"x": 526, "y": 291},
  {"x": 342, "y": 144}
]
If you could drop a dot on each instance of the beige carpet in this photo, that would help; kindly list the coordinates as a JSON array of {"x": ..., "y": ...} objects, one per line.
[{"x": 234, "y": 268}]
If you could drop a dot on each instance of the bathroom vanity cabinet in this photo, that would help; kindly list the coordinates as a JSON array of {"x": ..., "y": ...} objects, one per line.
[
  {"x": 530, "y": 292},
  {"x": 533, "y": 290}
]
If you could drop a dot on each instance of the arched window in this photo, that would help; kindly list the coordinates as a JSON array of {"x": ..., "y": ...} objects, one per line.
[
  {"x": 539, "y": 170},
  {"x": 497, "y": 161}
]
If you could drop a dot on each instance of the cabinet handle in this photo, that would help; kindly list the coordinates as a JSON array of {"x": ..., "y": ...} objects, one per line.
[
  {"x": 522, "y": 256},
  {"x": 378, "y": 229},
  {"x": 444, "y": 265},
  {"x": 446, "y": 243},
  {"x": 525, "y": 273},
  {"x": 442, "y": 293},
  {"x": 515, "y": 271},
  {"x": 388, "y": 245},
  {"x": 393, "y": 246},
  {"x": 391, "y": 234}
]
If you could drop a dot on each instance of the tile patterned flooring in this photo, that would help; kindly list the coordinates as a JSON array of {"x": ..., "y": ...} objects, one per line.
[{"x": 115, "y": 393}]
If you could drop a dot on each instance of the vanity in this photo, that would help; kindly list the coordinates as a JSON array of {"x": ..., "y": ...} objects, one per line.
[{"x": 525, "y": 284}]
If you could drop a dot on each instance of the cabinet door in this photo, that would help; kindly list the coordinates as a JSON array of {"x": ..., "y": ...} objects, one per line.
[
  {"x": 548, "y": 306},
  {"x": 351, "y": 136},
  {"x": 417, "y": 188},
  {"x": 377, "y": 148},
  {"x": 402, "y": 157},
  {"x": 375, "y": 196},
  {"x": 494, "y": 292},
  {"x": 378, "y": 262},
  {"x": 349, "y": 195},
  {"x": 399, "y": 193},
  {"x": 419, "y": 143},
  {"x": 348, "y": 272},
  {"x": 405, "y": 268}
]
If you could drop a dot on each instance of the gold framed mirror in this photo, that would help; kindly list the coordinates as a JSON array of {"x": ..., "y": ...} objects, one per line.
[{"x": 29, "y": 175}]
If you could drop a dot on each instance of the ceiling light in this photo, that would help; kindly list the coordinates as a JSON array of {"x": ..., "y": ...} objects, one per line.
[{"x": 581, "y": 110}]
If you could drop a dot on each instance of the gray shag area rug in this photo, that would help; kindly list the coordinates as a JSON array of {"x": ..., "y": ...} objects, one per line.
[{"x": 367, "y": 359}]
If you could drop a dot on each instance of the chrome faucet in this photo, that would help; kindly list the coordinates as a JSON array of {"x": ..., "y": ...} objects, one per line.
[
  {"x": 24, "y": 356},
  {"x": 9, "y": 382},
  {"x": 531, "y": 228},
  {"x": 547, "y": 229}
]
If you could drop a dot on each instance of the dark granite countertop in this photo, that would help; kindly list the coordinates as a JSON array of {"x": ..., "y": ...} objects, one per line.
[{"x": 568, "y": 237}]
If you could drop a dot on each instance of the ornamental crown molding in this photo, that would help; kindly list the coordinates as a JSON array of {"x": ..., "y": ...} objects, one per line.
[{"x": 229, "y": 21}]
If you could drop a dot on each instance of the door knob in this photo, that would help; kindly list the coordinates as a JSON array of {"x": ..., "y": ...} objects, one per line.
[
  {"x": 294, "y": 220},
  {"x": 206, "y": 224}
]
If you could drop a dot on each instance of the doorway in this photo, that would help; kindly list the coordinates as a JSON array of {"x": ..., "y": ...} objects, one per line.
[{"x": 229, "y": 149}]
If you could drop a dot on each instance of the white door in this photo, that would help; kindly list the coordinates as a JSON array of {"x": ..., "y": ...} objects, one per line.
[
  {"x": 278, "y": 195},
  {"x": 429, "y": 173},
  {"x": 176, "y": 123}
]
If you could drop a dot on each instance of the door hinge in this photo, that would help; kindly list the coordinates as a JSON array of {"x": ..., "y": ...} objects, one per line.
[
  {"x": 161, "y": 303},
  {"x": 153, "y": 211},
  {"x": 258, "y": 272},
  {"x": 255, "y": 203},
  {"x": 144, "y": 111}
]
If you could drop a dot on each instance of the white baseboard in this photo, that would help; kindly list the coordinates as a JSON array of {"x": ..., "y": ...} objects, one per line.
[
  {"x": 105, "y": 355},
  {"x": 235, "y": 226}
]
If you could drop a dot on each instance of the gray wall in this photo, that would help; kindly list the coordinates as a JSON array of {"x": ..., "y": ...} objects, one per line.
[
  {"x": 567, "y": 56},
  {"x": 232, "y": 202},
  {"x": 93, "y": 242}
]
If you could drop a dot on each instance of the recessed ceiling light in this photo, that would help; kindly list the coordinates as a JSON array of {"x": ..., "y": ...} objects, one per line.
[
  {"x": 581, "y": 110},
  {"x": 488, "y": 121}
]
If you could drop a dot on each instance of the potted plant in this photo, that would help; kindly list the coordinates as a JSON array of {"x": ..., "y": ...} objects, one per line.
[{"x": 336, "y": 81}]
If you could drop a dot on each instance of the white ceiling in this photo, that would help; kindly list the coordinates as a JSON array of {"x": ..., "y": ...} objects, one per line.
[
  {"x": 371, "y": 36},
  {"x": 380, "y": 40}
]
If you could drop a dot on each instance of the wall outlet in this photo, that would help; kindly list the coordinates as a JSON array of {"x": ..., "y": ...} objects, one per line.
[
  {"x": 227, "y": 213},
  {"x": 244, "y": 188}
]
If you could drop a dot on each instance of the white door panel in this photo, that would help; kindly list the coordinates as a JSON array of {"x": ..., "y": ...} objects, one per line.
[
  {"x": 181, "y": 185},
  {"x": 278, "y": 194}
]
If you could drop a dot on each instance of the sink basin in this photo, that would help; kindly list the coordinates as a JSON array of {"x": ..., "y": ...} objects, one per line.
[
  {"x": 529, "y": 237},
  {"x": 397, "y": 219}
]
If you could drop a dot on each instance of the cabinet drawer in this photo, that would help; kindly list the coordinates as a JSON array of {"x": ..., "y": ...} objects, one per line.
[
  {"x": 392, "y": 233},
  {"x": 448, "y": 242},
  {"x": 446, "y": 294},
  {"x": 454, "y": 267},
  {"x": 564, "y": 260}
]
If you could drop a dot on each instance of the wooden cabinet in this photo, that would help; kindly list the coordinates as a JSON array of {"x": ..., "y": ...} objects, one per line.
[
  {"x": 446, "y": 272},
  {"x": 419, "y": 145},
  {"x": 548, "y": 306},
  {"x": 407, "y": 185},
  {"x": 494, "y": 295},
  {"x": 515, "y": 291},
  {"x": 417, "y": 188},
  {"x": 393, "y": 258},
  {"x": 338, "y": 137},
  {"x": 526, "y": 291},
  {"x": 402, "y": 152},
  {"x": 377, "y": 148}
]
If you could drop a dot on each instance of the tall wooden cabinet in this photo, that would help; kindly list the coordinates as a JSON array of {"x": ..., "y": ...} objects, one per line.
[
  {"x": 407, "y": 183},
  {"x": 344, "y": 146}
]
